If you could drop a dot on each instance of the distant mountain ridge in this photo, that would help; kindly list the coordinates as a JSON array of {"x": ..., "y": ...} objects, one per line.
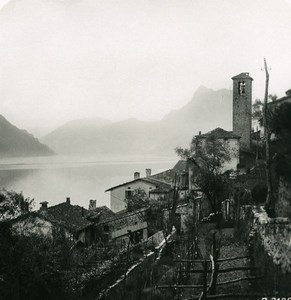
[
  {"x": 207, "y": 110},
  {"x": 17, "y": 142}
]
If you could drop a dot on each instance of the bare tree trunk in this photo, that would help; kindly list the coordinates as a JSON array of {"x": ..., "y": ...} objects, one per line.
[
  {"x": 269, "y": 204},
  {"x": 174, "y": 205}
]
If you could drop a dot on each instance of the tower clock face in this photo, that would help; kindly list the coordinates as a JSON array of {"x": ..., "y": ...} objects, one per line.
[{"x": 241, "y": 88}]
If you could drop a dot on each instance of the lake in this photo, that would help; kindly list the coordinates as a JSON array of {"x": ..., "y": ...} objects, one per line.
[{"x": 54, "y": 178}]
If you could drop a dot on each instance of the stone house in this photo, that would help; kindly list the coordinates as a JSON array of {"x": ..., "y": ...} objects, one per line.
[
  {"x": 82, "y": 226},
  {"x": 123, "y": 226},
  {"x": 121, "y": 193},
  {"x": 228, "y": 140},
  {"x": 258, "y": 128},
  {"x": 177, "y": 176},
  {"x": 182, "y": 214},
  {"x": 72, "y": 221},
  {"x": 64, "y": 218}
]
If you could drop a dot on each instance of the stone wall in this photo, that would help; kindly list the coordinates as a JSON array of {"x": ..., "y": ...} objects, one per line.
[
  {"x": 275, "y": 236},
  {"x": 283, "y": 207},
  {"x": 269, "y": 244}
]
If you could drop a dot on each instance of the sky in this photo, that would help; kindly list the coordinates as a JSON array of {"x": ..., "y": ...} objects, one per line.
[{"x": 71, "y": 59}]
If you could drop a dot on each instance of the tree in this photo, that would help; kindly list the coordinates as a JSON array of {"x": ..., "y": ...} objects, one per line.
[
  {"x": 139, "y": 199},
  {"x": 280, "y": 126},
  {"x": 209, "y": 159},
  {"x": 257, "y": 110},
  {"x": 13, "y": 204},
  {"x": 34, "y": 267}
]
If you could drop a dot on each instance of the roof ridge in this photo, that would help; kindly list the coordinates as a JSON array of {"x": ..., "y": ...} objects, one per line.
[{"x": 148, "y": 179}]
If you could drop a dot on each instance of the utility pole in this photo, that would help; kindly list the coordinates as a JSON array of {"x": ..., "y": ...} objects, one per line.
[{"x": 269, "y": 204}]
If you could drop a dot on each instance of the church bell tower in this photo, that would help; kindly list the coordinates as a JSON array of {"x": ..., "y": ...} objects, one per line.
[{"x": 242, "y": 109}]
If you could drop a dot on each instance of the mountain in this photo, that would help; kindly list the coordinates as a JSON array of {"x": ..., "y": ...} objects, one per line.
[
  {"x": 74, "y": 136},
  {"x": 207, "y": 110},
  {"x": 17, "y": 142}
]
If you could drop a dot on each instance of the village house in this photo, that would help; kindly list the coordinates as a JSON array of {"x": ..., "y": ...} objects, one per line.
[
  {"x": 124, "y": 226},
  {"x": 82, "y": 226},
  {"x": 64, "y": 218},
  {"x": 120, "y": 194},
  {"x": 183, "y": 212},
  {"x": 178, "y": 177},
  {"x": 257, "y": 124},
  {"x": 227, "y": 139}
]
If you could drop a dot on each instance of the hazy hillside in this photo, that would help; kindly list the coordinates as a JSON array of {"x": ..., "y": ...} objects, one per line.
[
  {"x": 74, "y": 136},
  {"x": 17, "y": 142},
  {"x": 207, "y": 109}
]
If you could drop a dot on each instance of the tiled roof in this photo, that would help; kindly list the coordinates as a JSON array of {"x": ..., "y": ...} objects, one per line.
[
  {"x": 144, "y": 179},
  {"x": 72, "y": 217},
  {"x": 181, "y": 167},
  {"x": 244, "y": 75},
  {"x": 281, "y": 100},
  {"x": 125, "y": 214},
  {"x": 167, "y": 176},
  {"x": 218, "y": 133},
  {"x": 100, "y": 214}
]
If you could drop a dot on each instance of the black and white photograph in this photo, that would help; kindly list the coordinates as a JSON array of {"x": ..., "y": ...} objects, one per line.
[{"x": 145, "y": 149}]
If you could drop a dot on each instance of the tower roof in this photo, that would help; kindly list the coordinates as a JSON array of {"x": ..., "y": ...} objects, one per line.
[{"x": 244, "y": 75}]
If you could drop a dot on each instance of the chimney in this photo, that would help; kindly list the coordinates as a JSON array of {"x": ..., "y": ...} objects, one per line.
[
  {"x": 199, "y": 132},
  {"x": 148, "y": 172},
  {"x": 43, "y": 205},
  {"x": 288, "y": 93},
  {"x": 92, "y": 204},
  {"x": 68, "y": 200},
  {"x": 136, "y": 175}
]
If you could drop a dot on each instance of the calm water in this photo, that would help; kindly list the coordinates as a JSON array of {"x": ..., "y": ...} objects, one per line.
[{"x": 53, "y": 179}]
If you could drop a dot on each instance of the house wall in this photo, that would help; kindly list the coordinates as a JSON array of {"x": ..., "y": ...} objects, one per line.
[
  {"x": 133, "y": 221},
  {"x": 233, "y": 147},
  {"x": 157, "y": 196},
  {"x": 182, "y": 214},
  {"x": 256, "y": 126},
  {"x": 117, "y": 195},
  {"x": 124, "y": 231}
]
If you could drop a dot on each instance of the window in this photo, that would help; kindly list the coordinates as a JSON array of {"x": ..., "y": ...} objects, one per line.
[
  {"x": 128, "y": 194},
  {"x": 241, "y": 87}
]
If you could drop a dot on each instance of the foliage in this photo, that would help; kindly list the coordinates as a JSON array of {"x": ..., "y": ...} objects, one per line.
[
  {"x": 33, "y": 267},
  {"x": 257, "y": 109},
  {"x": 209, "y": 160},
  {"x": 155, "y": 217},
  {"x": 138, "y": 200},
  {"x": 13, "y": 204},
  {"x": 280, "y": 125}
]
